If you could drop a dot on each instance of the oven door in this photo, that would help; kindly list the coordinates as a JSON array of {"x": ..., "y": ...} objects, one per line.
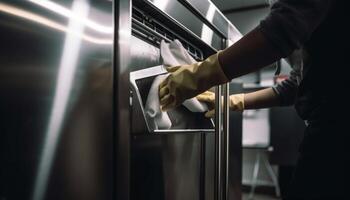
[{"x": 182, "y": 119}]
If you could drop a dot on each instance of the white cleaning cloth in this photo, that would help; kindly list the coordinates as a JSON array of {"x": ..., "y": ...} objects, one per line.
[
  {"x": 173, "y": 54},
  {"x": 156, "y": 118}
]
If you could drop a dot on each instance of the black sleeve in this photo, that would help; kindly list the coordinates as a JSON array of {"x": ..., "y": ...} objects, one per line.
[
  {"x": 287, "y": 89},
  {"x": 291, "y": 22}
]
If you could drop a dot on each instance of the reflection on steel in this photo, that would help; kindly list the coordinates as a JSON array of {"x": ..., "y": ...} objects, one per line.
[
  {"x": 207, "y": 33},
  {"x": 54, "y": 7},
  {"x": 66, "y": 73},
  {"x": 218, "y": 167},
  {"x": 121, "y": 98},
  {"x": 50, "y": 23},
  {"x": 226, "y": 144},
  {"x": 161, "y": 4},
  {"x": 230, "y": 42}
]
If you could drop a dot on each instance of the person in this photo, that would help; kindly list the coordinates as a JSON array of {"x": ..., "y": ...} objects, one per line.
[{"x": 311, "y": 26}]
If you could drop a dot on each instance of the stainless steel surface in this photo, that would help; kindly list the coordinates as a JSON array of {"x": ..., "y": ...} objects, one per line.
[
  {"x": 218, "y": 141},
  {"x": 215, "y": 19},
  {"x": 121, "y": 91},
  {"x": 178, "y": 12},
  {"x": 237, "y": 4},
  {"x": 56, "y": 99},
  {"x": 151, "y": 29},
  {"x": 226, "y": 141}
]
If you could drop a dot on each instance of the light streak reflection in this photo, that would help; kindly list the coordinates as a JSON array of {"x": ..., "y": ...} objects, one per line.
[
  {"x": 54, "y": 7},
  {"x": 50, "y": 23},
  {"x": 207, "y": 33},
  {"x": 67, "y": 68}
]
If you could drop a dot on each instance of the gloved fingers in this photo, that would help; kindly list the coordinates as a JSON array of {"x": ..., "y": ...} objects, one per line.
[
  {"x": 167, "y": 103},
  {"x": 172, "y": 69},
  {"x": 204, "y": 99},
  {"x": 210, "y": 113},
  {"x": 206, "y": 96},
  {"x": 163, "y": 88},
  {"x": 167, "y": 99},
  {"x": 163, "y": 91},
  {"x": 164, "y": 82},
  {"x": 237, "y": 102}
]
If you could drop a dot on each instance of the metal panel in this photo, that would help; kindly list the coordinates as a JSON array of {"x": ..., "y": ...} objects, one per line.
[
  {"x": 229, "y": 5},
  {"x": 190, "y": 21},
  {"x": 226, "y": 142},
  {"x": 214, "y": 18},
  {"x": 56, "y": 100},
  {"x": 121, "y": 99},
  {"x": 218, "y": 143},
  {"x": 166, "y": 167}
]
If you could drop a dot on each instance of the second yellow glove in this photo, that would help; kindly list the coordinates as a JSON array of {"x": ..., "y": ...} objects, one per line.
[{"x": 236, "y": 102}]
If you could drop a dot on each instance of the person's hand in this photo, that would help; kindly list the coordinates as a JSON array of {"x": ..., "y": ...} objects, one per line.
[
  {"x": 187, "y": 81},
  {"x": 236, "y": 102}
]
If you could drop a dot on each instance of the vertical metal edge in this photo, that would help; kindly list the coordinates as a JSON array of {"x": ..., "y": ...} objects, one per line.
[
  {"x": 217, "y": 190},
  {"x": 202, "y": 167},
  {"x": 225, "y": 156},
  {"x": 121, "y": 127},
  {"x": 225, "y": 136}
]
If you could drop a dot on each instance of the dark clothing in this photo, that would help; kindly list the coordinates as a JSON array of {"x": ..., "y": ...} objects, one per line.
[
  {"x": 324, "y": 69},
  {"x": 287, "y": 90},
  {"x": 319, "y": 28},
  {"x": 291, "y": 23},
  {"x": 312, "y": 25},
  {"x": 285, "y": 175},
  {"x": 321, "y": 169}
]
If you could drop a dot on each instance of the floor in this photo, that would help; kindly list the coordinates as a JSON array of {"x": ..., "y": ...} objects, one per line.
[{"x": 260, "y": 197}]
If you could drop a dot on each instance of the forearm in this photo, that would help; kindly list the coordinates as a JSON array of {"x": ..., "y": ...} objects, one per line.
[
  {"x": 264, "y": 98},
  {"x": 249, "y": 54}
]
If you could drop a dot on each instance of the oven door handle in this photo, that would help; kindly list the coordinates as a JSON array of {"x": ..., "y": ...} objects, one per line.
[
  {"x": 221, "y": 142},
  {"x": 218, "y": 168},
  {"x": 225, "y": 148}
]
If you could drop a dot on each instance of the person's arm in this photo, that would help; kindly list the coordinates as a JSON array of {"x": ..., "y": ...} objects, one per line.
[
  {"x": 283, "y": 94},
  {"x": 264, "y": 98},
  {"x": 249, "y": 54},
  {"x": 289, "y": 25}
]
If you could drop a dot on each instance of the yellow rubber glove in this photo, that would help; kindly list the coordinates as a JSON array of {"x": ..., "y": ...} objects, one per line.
[
  {"x": 236, "y": 102},
  {"x": 187, "y": 81}
]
